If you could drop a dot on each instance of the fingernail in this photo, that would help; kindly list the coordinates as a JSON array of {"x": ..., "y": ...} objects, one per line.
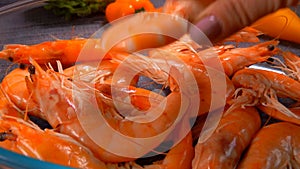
[{"x": 210, "y": 26}]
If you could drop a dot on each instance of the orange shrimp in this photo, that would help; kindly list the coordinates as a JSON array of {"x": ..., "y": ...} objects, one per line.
[
  {"x": 14, "y": 87},
  {"x": 233, "y": 134},
  {"x": 162, "y": 60},
  {"x": 7, "y": 108},
  {"x": 232, "y": 59},
  {"x": 180, "y": 156},
  {"x": 27, "y": 139},
  {"x": 275, "y": 146},
  {"x": 143, "y": 100},
  {"x": 65, "y": 51},
  {"x": 238, "y": 58},
  {"x": 247, "y": 34},
  {"x": 275, "y": 113},
  {"x": 262, "y": 87},
  {"x": 53, "y": 92}
]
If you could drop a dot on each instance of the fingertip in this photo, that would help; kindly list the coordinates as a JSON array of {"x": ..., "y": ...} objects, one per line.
[{"x": 210, "y": 26}]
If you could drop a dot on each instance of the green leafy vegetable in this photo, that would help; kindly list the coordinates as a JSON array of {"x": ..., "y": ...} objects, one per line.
[{"x": 69, "y": 8}]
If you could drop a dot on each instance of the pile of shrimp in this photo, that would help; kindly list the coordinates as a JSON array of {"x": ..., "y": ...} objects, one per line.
[{"x": 215, "y": 113}]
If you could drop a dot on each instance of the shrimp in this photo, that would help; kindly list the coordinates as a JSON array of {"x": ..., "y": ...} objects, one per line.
[
  {"x": 275, "y": 146},
  {"x": 180, "y": 156},
  {"x": 233, "y": 134},
  {"x": 25, "y": 138},
  {"x": 14, "y": 87},
  {"x": 53, "y": 92},
  {"x": 163, "y": 59},
  {"x": 143, "y": 100},
  {"x": 247, "y": 34},
  {"x": 66, "y": 51},
  {"x": 277, "y": 113},
  {"x": 262, "y": 87},
  {"x": 232, "y": 59},
  {"x": 7, "y": 108},
  {"x": 239, "y": 58}
]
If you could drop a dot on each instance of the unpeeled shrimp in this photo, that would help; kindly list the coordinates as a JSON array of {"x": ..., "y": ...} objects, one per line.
[
  {"x": 143, "y": 100},
  {"x": 262, "y": 88},
  {"x": 27, "y": 139},
  {"x": 275, "y": 146},
  {"x": 14, "y": 87},
  {"x": 66, "y": 51},
  {"x": 53, "y": 92},
  {"x": 224, "y": 147},
  {"x": 7, "y": 108},
  {"x": 232, "y": 59},
  {"x": 180, "y": 156}
]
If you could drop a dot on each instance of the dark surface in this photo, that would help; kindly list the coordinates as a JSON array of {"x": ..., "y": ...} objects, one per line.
[{"x": 31, "y": 25}]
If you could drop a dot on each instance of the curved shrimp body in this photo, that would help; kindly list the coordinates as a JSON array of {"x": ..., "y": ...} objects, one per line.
[
  {"x": 263, "y": 88},
  {"x": 262, "y": 80},
  {"x": 143, "y": 100},
  {"x": 225, "y": 146},
  {"x": 277, "y": 113},
  {"x": 66, "y": 51},
  {"x": 275, "y": 146},
  {"x": 24, "y": 138},
  {"x": 14, "y": 87},
  {"x": 53, "y": 92},
  {"x": 247, "y": 34},
  {"x": 163, "y": 63},
  {"x": 180, "y": 156},
  {"x": 206, "y": 88},
  {"x": 7, "y": 108}
]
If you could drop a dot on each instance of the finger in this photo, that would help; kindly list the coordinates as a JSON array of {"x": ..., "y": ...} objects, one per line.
[
  {"x": 186, "y": 8},
  {"x": 224, "y": 17}
]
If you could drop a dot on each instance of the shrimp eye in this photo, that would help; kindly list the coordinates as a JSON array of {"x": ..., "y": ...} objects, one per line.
[
  {"x": 10, "y": 58},
  {"x": 31, "y": 69},
  {"x": 7, "y": 136},
  {"x": 271, "y": 47}
]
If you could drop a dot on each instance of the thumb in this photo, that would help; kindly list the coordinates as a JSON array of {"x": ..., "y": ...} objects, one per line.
[{"x": 224, "y": 17}]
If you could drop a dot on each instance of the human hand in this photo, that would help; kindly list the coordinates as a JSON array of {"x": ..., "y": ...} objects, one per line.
[{"x": 220, "y": 18}]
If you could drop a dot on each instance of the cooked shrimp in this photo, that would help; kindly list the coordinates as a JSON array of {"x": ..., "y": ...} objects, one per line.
[
  {"x": 143, "y": 100},
  {"x": 238, "y": 58},
  {"x": 224, "y": 147},
  {"x": 53, "y": 92},
  {"x": 277, "y": 113},
  {"x": 14, "y": 87},
  {"x": 7, "y": 108},
  {"x": 180, "y": 156},
  {"x": 160, "y": 65},
  {"x": 27, "y": 139},
  {"x": 247, "y": 34},
  {"x": 264, "y": 87},
  {"x": 65, "y": 51},
  {"x": 275, "y": 146},
  {"x": 232, "y": 59}
]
